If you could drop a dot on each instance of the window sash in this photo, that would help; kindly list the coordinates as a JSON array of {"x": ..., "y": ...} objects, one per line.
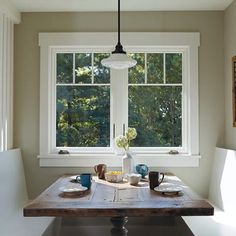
[
  {"x": 54, "y": 148},
  {"x": 185, "y": 145}
]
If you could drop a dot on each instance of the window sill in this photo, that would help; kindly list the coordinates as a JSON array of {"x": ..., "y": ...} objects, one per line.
[{"x": 112, "y": 160}]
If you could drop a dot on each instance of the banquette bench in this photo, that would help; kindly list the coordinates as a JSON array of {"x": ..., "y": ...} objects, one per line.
[{"x": 13, "y": 196}]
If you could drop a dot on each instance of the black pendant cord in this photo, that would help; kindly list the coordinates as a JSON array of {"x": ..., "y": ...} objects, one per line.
[
  {"x": 118, "y": 21},
  {"x": 119, "y": 47}
]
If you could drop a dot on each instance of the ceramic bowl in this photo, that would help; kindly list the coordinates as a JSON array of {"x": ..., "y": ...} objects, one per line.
[
  {"x": 133, "y": 178},
  {"x": 114, "y": 176}
]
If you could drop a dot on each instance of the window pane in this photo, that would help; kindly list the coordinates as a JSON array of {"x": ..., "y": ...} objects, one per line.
[
  {"x": 137, "y": 73},
  {"x": 155, "y": 68},
  {"x": 83, "y": 67},
  {"x": 174, "y": 68},
  {"x": 64, "y": 68},
  {"x": 83, "y": 116},
  {"x": 156, "y": 114},
  {"x": 101, "y": 73}
]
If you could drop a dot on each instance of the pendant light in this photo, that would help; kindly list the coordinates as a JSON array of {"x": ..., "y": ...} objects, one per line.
[{"x": 118, "y": 58}]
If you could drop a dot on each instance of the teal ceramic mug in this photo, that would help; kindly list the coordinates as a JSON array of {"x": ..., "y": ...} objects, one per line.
[{"x": 84, "y": 179}]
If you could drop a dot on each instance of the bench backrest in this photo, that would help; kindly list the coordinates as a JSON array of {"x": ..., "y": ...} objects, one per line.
[
  {"x": 222, "y": 191},
  {"x": 13, "y": 192}
]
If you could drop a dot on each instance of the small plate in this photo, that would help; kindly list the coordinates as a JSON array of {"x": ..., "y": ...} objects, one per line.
[
  {"x": 73, "y": 190},
  {"x": 168, "y": 188}
]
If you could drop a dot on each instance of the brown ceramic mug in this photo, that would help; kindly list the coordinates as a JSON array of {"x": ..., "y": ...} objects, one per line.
[
  {"x": 100, "y": 170},
  {"x": 155, "y": 179}
]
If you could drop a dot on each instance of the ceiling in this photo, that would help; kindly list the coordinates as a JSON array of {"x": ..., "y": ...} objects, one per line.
[{"x": 111, "y": 5}]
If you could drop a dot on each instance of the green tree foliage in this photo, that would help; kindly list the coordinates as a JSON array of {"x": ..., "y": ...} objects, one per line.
[
  {"x": 155, "y": 68},
  {"x": 83, "y": 68},
  {"x": 83, "y": 112},
  {"x": 137, "y": 73},
  {"x": 64, "y": 68},
  {"x": 155, "y": 112},
  {"x": 173, "y": 68}
]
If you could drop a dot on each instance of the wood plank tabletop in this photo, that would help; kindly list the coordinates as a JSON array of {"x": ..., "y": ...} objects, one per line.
[{"x": 117, "y": 199}]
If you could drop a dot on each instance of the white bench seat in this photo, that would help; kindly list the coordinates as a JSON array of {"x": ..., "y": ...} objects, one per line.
[
  {"x": 222, "y": 195},
  {"x": 220, "y": 224},
  {"x": 13, "y": 197},
  {"x": 22, "y": 226}
]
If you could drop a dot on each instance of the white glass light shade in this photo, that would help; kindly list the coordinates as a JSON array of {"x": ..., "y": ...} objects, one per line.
[{"x": 118, "y": 61}]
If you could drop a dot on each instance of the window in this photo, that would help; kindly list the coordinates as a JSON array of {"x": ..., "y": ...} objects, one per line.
[
  {"x": 155, "y": 99},
  {"x": 88, "y": 105},
  {"x": 82, "y": 100}
]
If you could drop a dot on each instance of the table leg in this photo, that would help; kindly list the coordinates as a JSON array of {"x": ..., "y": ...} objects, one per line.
[{"x": 119, "y": 226}]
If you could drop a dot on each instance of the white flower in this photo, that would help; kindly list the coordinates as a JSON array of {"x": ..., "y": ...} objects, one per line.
[
  {"x": 122, "y": 142},
  {"x": 131, "y": 133}
]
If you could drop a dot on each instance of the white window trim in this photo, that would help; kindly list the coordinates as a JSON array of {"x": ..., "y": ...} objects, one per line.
[{"x": 132, "y": 41}]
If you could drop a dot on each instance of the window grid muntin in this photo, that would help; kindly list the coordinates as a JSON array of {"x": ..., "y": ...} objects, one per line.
[
  {"x": 164, "y": 68},
  {"x": 92, "y": 64},
  {"x": 73, "y": 68},
  {"x": 73, "y": 72}
]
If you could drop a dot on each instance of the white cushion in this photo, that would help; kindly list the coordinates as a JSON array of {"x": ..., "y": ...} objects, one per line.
[
  {"x": 13, "y": 196},
  {"x": 12, "y": 183},
  {"x": 25, "y": 226},
  {"x": 221, "y": 224},
  {"x": 222, "y": 193}
]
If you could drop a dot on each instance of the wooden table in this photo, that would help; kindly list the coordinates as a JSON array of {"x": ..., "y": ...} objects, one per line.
[{"x": 118, "y": 201}]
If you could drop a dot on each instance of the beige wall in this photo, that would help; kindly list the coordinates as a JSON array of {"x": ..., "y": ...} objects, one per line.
[
  {"x": 230, "y": 51},
  {"x": 26, "y": 81}
]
